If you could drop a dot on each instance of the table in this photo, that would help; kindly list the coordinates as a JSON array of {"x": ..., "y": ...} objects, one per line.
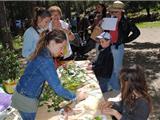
[{"x": 88, "y": 107}]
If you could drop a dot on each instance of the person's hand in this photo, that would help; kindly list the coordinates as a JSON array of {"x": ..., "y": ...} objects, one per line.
[
  {"x": 113, "y": 112},
  {"x": 81, "y": 96},
  {"x": 100, "y": 22},
  {"x": 89, "y": 67},
  {"x": 69, "y": 34},
  {"x": 66, "y": 111},
  {"x": 104, "y": 104}
]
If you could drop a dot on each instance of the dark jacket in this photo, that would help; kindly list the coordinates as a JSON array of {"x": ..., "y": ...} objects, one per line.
[
  {"x": 103, "y": 66},
  {"x": 125, "y": 27},
  {"x": 139, "y": 111}
]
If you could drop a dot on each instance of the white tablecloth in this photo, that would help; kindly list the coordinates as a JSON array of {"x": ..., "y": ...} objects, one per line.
[{"x": 88, "y": 107}]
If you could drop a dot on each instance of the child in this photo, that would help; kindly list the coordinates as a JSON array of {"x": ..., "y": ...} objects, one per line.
[
  {"x": 136, "y": 101},
  {"x": 103, "y": 65}
]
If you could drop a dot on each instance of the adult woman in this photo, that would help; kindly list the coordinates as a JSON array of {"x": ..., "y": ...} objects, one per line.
[
  {"x": 125, "y": 32},
  {"x": 41, "y": 68},
  {"x": 136, "y": 102},
  {"x": 99, "y": 14},
  {"x": 57, "y": 23},
  {"x": 32, "y": 34}
]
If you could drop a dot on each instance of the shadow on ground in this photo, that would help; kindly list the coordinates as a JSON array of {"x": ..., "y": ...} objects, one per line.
[{"x": 147, "y": 55}]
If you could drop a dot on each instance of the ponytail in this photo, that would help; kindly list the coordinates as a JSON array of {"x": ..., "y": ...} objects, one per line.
[
  {"x": 45, "y": 37},
  {"x": 39, "y": 12}
]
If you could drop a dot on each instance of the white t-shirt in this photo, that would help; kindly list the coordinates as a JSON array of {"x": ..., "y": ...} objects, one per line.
[{"x": 64, "y": 25}]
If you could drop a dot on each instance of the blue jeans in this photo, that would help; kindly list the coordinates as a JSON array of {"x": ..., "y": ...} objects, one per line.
[
  {"x": 27, "y": 116},
  {"x": 103, "y": 83},
  {"x": 118, "y": 54}
]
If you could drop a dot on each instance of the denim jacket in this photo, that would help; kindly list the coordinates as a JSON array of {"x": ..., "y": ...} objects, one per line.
[{"x": 38, "y": 71}]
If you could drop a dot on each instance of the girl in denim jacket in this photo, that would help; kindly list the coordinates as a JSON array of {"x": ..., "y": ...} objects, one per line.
[{"x": 39, "y": 69}]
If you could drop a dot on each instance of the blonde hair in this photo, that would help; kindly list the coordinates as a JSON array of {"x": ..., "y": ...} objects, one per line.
[
  {"x": 45, "y": 37},
  {"x": 55, "y": 9}
]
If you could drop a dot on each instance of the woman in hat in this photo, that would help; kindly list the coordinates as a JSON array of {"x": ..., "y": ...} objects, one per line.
[{"x": 125, "y": 32}]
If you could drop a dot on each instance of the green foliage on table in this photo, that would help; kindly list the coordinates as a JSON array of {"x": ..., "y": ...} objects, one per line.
[
  {"x": 72, "y": 77},
  {"x": 98, "y": 118}
]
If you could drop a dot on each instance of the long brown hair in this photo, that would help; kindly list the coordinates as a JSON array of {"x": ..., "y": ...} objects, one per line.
[
  {"x": 57, "y": 35},
  {"x": 133, "y": 80}
]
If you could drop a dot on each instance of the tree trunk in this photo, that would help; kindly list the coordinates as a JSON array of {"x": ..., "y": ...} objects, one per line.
[
  {"x": 68, "y": 10},
  {"x": 148, "y": 12},
  {"x": 5, "y": 33}
]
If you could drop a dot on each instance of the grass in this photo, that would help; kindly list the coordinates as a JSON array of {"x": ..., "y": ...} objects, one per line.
[{"x": 148, "y": 24}]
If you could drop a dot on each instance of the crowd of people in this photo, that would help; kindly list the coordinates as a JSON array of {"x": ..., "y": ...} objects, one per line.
[{"x": 49, "y": 38}]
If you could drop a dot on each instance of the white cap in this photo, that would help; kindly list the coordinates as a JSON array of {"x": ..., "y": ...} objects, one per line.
[{"x": 104, "y": 35}]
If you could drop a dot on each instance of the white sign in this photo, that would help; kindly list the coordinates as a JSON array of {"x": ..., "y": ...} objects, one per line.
[{"x": 109, "y": 23}]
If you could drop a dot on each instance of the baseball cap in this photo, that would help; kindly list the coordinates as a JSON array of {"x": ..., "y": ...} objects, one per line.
[{"x": 104, "y": 35}]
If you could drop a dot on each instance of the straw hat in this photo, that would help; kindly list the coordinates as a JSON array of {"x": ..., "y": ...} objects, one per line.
[{"x": 117, "y": 5}]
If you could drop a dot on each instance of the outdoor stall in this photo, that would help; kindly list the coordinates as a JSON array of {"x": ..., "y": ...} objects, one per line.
[{"x": 84, "y": 110}]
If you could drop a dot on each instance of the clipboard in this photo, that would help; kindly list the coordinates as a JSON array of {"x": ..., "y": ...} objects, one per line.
[{"x": 109, "y": 23}]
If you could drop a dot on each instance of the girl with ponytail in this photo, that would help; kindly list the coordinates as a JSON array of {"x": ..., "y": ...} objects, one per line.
[
  {"x": 41, "y": 68},
  {"x": 31, "y": 36}
]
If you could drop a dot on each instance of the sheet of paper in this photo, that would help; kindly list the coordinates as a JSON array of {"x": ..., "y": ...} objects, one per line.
[{"x": 109, "y": 23}]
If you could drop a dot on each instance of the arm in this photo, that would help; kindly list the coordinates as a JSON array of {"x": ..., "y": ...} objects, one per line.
[
  {"x": 139, "y": 112},
  {"x": 67, "y": 30},
  {"x": 69, "y": 34},
  {"x": 108, "y": 107},
  {"x": 98, "y": 64},
  {"x": 135, "y": 32},
  {"x": 49, "y": 72}
]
